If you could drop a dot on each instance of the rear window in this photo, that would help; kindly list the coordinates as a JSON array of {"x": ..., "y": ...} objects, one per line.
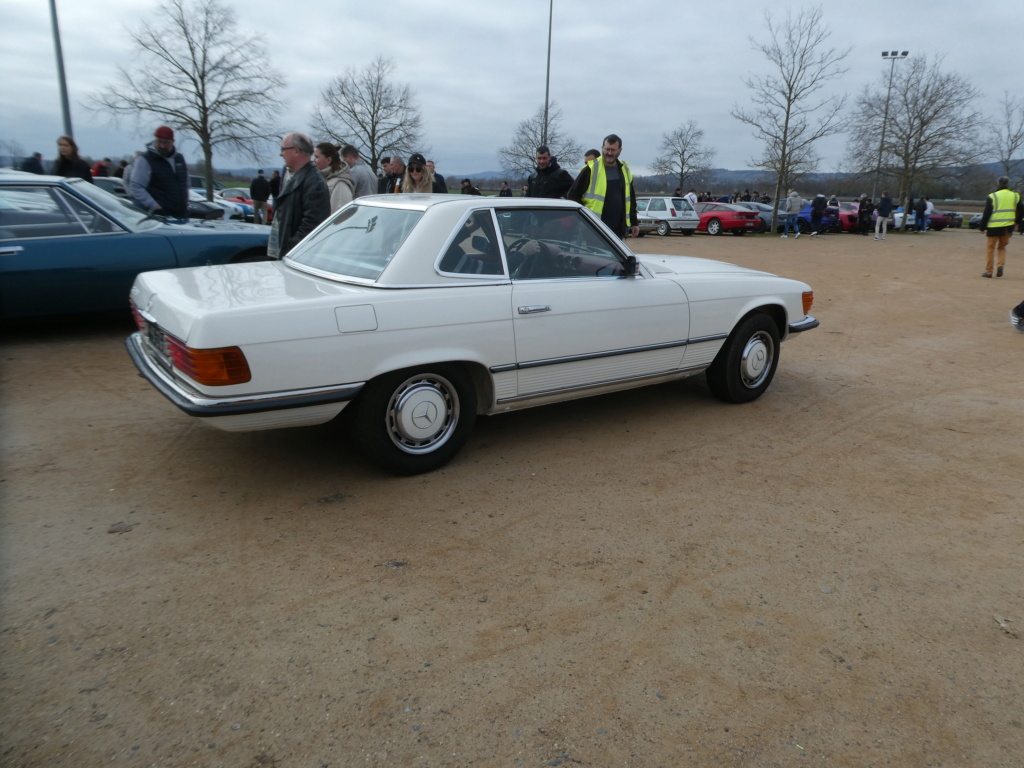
[{"x": 359, "y": 241}]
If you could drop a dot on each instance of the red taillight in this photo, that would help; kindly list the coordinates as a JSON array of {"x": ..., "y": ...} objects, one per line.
[
  {"x": 213, "y": 367},
  {"x": 140, "y": 321},
  {"x": 673, "y": 212}
]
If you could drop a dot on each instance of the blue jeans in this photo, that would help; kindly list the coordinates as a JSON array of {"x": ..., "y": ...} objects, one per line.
[
  {"x": 792, "y": 221},
  {"x": 919, "y": 222}
]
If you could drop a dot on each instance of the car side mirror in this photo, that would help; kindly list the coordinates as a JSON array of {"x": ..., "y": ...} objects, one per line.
[{"x": 629, "y": 269}]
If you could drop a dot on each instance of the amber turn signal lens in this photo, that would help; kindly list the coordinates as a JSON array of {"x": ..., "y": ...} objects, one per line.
[
  {"x": 808, "y": 300},
  {"x": 212, "y": 367}
]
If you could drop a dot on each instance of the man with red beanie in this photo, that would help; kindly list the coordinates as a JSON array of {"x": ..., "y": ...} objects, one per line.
[{"x": 159, "y": 180}]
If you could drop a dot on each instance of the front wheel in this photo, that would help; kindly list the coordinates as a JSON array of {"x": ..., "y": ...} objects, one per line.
[
  {"x": 415, "y": 421},
  {"x": 664, "y": 229},
  {"x": 714, "y": 227},
  {"x": 745, "y": 365}
]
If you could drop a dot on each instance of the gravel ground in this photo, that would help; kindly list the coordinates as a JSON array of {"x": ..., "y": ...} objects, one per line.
[{"x": 831, "y": 575}]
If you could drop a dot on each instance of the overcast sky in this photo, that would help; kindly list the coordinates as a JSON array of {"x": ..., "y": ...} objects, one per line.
[{"x": 478, "y": 66}]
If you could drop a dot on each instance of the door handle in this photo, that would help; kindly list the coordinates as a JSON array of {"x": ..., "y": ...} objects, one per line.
[
  {"x": 534, "y": 309},
  {"x": 10, "y": 250}
]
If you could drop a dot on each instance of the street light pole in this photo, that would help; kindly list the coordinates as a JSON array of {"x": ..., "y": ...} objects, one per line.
[
  {"x": 60, "y": 69},
  {"x": 893, "y": 57},
  {"x": 547, "y": 78}
]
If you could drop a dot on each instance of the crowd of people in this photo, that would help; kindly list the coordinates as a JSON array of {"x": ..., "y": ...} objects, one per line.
[{"x": 322, "y": 178}]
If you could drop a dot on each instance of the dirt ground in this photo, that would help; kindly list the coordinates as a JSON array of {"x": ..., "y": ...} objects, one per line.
[{"x": 831, "y": 575}]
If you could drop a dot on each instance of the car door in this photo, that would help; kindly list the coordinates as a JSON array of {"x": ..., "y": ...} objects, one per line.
[
  {"x": 59, "y": 254},
  {"x": 577, "y": 321}
]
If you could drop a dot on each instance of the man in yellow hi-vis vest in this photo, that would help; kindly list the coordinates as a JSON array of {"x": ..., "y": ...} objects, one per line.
[
  {"x": 1003, "y": 210},
  {"x": 605, "y": 186}
]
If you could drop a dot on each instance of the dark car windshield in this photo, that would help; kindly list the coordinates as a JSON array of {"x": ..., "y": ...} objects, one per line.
[
  {"x": 118, "y": 207},
  {"x": 358, "y": 242}
]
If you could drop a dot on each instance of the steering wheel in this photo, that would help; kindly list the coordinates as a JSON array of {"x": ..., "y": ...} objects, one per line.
[{"x": 530, "y": 261}]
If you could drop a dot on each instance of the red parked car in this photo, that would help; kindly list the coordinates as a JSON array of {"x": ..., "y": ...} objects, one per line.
[{"x": 716, "y": 218}]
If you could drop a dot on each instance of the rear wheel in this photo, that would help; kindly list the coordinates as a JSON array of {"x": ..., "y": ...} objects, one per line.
[
  {"x": 714, "y": 227},
  {"x": 415, "y": 420},
  {"x": 746, "y": 364},
  {"x": 664, "y": 229},
  {"x": 688, "y": 232}
]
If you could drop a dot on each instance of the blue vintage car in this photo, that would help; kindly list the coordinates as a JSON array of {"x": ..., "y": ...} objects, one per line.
[
  {"x": 68, "y": 246},
  {"x": 829, "y": 221}
]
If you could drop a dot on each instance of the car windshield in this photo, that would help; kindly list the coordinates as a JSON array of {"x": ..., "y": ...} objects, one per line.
[
  {"x": 358, "y": 242},
  {"x": 118, "y": 207}
]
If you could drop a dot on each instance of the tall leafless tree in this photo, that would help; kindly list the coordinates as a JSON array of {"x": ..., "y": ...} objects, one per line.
[
  {"x": 794, "y": 105},
  {"x": 366, "y": 108},
  {"x": 198, "y": 74},
  {"x": 682, "y": 154},
  {"x": 1007, "y": 129},
  {"x": 932, "y": 127},
  {"x": 518, "y": 158}
]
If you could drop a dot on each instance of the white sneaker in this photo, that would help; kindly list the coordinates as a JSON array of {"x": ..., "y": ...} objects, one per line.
[
  {"x": 814, "y": 234},
  {"x": 797, "y": 235},
  {"x": 877, "y": 237},
  {"x": 784, "y": 236}
]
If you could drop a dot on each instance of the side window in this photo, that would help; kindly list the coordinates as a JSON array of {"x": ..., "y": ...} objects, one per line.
[
  {"x": 641, "y": 203},
  {"x": 556, "y": 243},
  {"x": 681, "y": 205},
  {"x": 474, "y": 250},
  {"x": 658, "y": 205},
  {"x": 31, "y": 212}
]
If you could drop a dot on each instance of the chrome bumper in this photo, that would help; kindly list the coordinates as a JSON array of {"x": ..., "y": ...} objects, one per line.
[
  {"x": 203, "y": 406},
  {"x": 804, "y": 325}
]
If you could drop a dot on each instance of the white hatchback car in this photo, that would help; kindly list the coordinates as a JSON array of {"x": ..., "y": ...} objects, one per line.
[{"x": 667, "y": 214}]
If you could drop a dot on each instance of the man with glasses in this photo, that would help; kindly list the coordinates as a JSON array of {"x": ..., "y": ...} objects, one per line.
[
  {"x": 304, "y": 200},
  {"x": 159, "y": 178}
]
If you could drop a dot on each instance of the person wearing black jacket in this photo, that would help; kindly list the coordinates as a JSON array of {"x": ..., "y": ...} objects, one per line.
[
  {"x": 550, "y": 179},
  {"x": 259, "y": 193},
  {"x": 68, "y": 164},
  {"x": 817, "y": 213},
  {"x": 304, "y": 200}
]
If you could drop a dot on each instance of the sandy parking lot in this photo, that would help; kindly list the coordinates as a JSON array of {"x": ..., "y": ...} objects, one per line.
[{"x": 832, "y": 575}]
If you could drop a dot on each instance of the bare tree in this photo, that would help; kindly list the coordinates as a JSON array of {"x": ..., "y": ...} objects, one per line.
[
  {"x": 364, "y": 107},
  {"x": 682, "y": 153},
  {"x": 202, "y": 77},
  {"x": 793, "y": 106},
  {"x": 1008, "y": 138},
  {"x": 931, "y": 129},
  {"x": 518, "y": 158}
]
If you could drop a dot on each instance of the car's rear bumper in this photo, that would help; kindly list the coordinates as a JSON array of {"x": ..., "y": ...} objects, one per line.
[{"x": 245, "y": 412}]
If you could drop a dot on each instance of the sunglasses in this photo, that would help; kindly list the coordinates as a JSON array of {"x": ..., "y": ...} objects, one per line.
[{"x": 415, "y": 168}]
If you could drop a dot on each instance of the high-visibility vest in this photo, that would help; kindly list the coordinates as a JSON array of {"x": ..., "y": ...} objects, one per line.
[
  {"x": 1004, "y": 208},
  {"x": 593, "y": 198}
]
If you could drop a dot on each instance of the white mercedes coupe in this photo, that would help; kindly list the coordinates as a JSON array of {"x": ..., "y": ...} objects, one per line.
[{"x": 413, "y": 314}]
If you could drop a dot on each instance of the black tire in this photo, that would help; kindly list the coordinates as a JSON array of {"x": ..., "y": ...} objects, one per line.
[
  {"x": 746, "y": 363},
  {"x": 664, "y": 229},
  {"x": 803, "y": 226},
  {"x": 688, "y": 232},
  {"x": 415, "y": 420},
  {"x": 714, "y": 227},
  {"x": 739, "y": 231}
]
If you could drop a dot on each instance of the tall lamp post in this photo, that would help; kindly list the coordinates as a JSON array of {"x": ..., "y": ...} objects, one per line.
[
  {"x": 893, "y": 57},
  {"x": 547, "y": 77},
  {"x": 60, "y": 69}
]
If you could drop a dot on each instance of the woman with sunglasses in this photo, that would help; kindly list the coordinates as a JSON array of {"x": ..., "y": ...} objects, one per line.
[{"x": 418, "y": 176}]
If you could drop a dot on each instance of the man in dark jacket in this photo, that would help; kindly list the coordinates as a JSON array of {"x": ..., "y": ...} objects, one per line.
[
  {"x": 550, "y": 179},
  {"x": 304, "y": 200},
  {"x": 259, "y": 193},
  {"x": 817, "y": 213},
  {"x": 159, "y": 178},
  {"x": 33, "y": 164}
]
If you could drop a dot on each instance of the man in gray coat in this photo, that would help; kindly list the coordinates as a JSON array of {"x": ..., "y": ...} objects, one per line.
[
  {"x": 304, "y": 200},
  {"x": 362, "y": 174}
]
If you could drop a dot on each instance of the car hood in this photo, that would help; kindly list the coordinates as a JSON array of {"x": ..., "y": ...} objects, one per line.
[
  {"x": 215, "y": 224},
  {"x": 691, "y": 265}
]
